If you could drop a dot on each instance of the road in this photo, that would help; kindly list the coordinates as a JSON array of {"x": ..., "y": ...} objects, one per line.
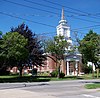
[{"x": 55, "y": 89}]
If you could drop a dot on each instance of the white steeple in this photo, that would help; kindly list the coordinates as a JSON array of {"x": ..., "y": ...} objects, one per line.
[
  {"x": 62, "y": 17},
  {"x": 63, "y": 29}
]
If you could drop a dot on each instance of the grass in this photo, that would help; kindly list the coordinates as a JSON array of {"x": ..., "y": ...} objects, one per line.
[
  {"x": 16, "y": 78},
  {"x": 10, "y": 79},
  {"x": 89, "y": 76},
  {"x": 65, "y": 78},
  {"x": 92, "y": 86}
]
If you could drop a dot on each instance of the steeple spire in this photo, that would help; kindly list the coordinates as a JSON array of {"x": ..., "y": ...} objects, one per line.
[{"x": 62, "y": 16}]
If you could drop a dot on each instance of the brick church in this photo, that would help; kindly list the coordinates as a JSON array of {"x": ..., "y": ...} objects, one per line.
[{"x": 71, "y": 65}]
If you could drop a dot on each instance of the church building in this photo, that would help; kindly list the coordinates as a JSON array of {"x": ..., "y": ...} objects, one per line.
[{"x": 71, "y": 65}]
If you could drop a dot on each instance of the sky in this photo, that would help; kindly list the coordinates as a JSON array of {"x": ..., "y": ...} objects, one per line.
[{"x": 42, "y": 16}]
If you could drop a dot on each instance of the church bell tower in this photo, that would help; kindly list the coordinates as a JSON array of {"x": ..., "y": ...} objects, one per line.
[{"x": 63, "y": 29}]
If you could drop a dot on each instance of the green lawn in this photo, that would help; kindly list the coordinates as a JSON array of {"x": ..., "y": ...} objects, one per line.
[
  {"x": 92, "y": 86},
  {"x": 16, "y": 78},
  {"x": 10, "y": 79}
]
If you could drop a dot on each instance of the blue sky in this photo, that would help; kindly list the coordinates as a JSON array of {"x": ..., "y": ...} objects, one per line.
[{"x": 42, "y": 16}]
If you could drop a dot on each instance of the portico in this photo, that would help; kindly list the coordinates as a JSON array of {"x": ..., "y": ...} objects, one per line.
[{"x": 73, "y": 65}]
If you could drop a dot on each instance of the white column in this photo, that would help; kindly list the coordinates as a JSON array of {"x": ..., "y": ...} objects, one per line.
[
  {"x": 76, "y": 65},
  {"x": 67, "y": 67}
]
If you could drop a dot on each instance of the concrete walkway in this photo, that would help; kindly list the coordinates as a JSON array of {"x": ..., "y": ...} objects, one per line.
[{"x": 16, "y": 93}]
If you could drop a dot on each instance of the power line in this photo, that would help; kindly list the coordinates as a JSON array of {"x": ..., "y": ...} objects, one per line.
[
  {"x": 93, "y": 26},
  {"x": 67, "y": 7},
  {"x": 46, "y": 11},
  {"x": 62, "y": 6},
  {"x": 78, "y": 14},
  {"x": 87, "y": 14},
  {"x": 46, "y": 24},
  {"x": 29, "y": 7},
  {"x": 51, "y": 16},
  {"x": 26, "y": 19},
  {"x": 74, "y": 30},
  {"x": 47, "y": 33},
  {"x": 48, "y": 6},
  {"x": 85, "y": 20},
  {"x": 64, "y": 10},
  {"x": 37, "y": 15},
  {"x": 3, "y": 13},
  {"x": 60, "y": 9}
]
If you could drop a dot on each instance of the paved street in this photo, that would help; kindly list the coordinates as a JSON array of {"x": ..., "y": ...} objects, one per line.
[{"x": 54, "y": 89}]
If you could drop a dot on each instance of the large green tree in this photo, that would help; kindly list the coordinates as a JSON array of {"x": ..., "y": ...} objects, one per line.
[
  {"x": 90, "y": 48},
  {"x": 57, "y": 48},
  {"x": 34, "y": 46},
  {"x": 13, "y": 51}
]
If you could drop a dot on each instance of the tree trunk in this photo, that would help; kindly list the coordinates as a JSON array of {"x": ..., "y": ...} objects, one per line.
[
  {"x": 20, "y": 71},
  {"x": 97, "y": 72},
  {"x": 59, "y": 71},
  {"x": 59, "y": 63},
  {"x": 92, "y": 71}
]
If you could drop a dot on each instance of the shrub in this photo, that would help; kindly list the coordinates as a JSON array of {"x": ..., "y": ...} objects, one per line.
[
  {"x": 87, "y": 69},
  {"x": 62, "y": 75},
  {"x": 43, "y": 73},
  {"x": 3, "y": 71},
  {"x": 54, "y": 73}
]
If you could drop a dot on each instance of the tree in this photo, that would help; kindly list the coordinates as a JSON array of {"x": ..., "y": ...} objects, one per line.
[
  {"x": 13, "y": 49},
  {"x": 57, "y": 48},
  {"x": 34, "y": 45},
  {"x": 90, "y": 48},
  {"x": 0, "y": 34}
]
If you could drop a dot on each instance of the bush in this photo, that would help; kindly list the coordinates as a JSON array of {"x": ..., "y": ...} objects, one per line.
[
  {"x": 54, "y": 73},
  {"x": 62, "y": 75},
  {"x": 43, "y": 73},
  {"x": 3, "y": 71},
  {"x": 87, "y": 69}
]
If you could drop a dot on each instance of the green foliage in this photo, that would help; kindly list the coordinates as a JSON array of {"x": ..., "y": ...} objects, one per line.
[
  {"x": 90, "y": 47},
  {"x": 0, "y": 34},
  {"x": 34, "y": 46},
  {"x": 92, "y": 86},
  {"x": 3, "y": 71},
  {"x": 12, "y": 50},
  {"x": 57, "y": 46},
  {"x": 44, "y": 73},
  {"x": 62, "y": 75},
  {"x": 13, "y": 79},
  {"x": 20, "y": 46},
  {"x": 54, "y": 73},
  {"x": 13, "y": 45},
  {"x": 87, "y": 69}
]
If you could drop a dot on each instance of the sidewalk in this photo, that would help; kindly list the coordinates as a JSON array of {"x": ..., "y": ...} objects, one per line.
[{"x": 16, "y": 93}]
